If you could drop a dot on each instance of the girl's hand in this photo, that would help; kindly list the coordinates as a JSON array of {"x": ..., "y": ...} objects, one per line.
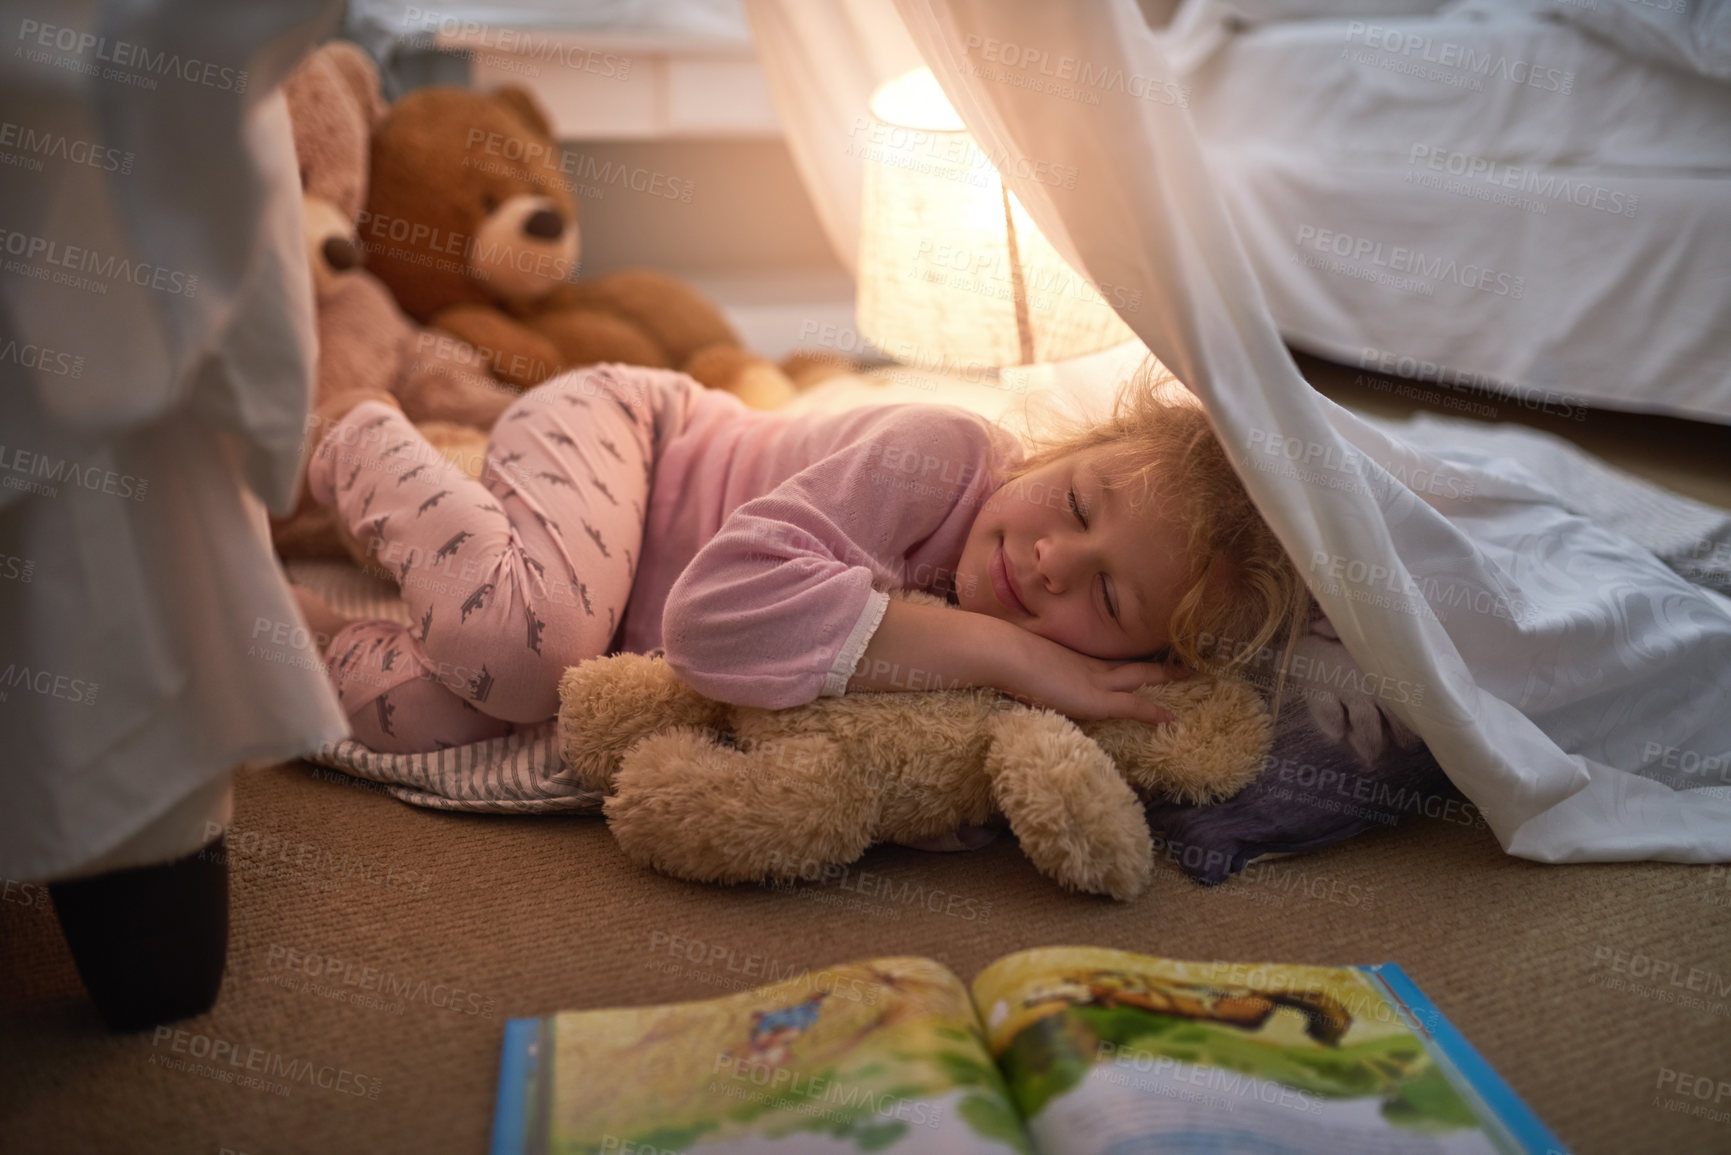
[
  {"x": 935, "y": 647},
  {"x": 1087, "y": 688}
]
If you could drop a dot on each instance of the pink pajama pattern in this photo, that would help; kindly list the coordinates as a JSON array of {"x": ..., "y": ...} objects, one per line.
[{"x": 511, "y": 578}]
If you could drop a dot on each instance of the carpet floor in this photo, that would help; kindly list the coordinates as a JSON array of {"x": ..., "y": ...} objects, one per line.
[{"x": 422, "y": 932}]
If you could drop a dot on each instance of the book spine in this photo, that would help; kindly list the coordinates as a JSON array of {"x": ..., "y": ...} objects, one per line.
[
  {"x": 1511, "y": 1119},
  {"x": 518, "y": 1075}
]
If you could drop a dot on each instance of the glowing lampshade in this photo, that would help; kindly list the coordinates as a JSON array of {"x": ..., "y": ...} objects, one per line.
[{"x": 952, "y": 271}]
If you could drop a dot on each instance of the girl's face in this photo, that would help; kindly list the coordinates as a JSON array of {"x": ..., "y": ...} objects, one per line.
[{"x": 1057, "y": 553}]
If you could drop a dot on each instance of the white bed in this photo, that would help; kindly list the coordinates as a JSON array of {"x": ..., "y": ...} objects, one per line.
[{"x": 1512, "y": 195}]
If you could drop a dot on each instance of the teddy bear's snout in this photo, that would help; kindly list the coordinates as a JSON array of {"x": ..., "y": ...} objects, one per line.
[
  {"x": 340, "y": 254},
  {"x": 545, "y": 224},
  {"x": 524, "y": 246},
  {"x": 332, "y": 247}
]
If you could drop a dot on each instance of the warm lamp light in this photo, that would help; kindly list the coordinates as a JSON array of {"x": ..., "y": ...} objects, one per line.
[{"x": 952, "y": 270}]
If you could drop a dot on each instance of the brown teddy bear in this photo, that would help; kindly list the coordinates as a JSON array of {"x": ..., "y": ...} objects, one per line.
[
  {"x": 715, "y": 793},
  {"x": 472, "y": 223},
  {"x": 366, "y": 343}
]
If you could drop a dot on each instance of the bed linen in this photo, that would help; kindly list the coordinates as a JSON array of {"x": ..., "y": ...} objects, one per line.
[{"x": 1515, "y": 197}]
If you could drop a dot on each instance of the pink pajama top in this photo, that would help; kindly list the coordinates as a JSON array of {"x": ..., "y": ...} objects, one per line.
[{"x": 770, "y": 537}]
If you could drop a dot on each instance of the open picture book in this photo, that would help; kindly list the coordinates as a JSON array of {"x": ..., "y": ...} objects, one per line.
[{"x": 1060, "y": 1050}]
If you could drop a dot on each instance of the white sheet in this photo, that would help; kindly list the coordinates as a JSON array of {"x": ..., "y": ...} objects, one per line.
[
  {"x": 130, "y": 678},
  {"x": 1519, "y": 197},
  {"x": 1555, "y": 720}
]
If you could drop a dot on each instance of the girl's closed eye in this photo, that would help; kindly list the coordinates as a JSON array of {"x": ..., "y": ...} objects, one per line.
[{"x": 1105, "y": 582}]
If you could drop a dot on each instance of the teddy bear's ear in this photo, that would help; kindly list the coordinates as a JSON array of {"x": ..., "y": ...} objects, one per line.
[
  {"x": 360, "y": 75},
  {"x": 517, "y": 99}
]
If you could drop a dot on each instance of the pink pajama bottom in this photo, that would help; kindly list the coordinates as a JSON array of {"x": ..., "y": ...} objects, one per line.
[{"x": 511, "y": 578}]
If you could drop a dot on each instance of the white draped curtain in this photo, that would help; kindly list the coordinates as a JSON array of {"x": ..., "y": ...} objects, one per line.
[
  {"x": 823, "y": 61},
  {"x": 169, "y": 289},
  {"x": 1575, "y": 673}
]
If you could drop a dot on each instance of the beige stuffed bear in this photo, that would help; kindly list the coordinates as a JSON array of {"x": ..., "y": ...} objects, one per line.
[
  {"x": 366, "y": 342},
  {"x": 715, "y": 793},
  {"x": 367, "y": 345}
]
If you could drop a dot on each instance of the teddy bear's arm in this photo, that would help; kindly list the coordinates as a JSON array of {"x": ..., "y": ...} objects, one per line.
[
  {"x": 1215, "y": 745},
  {"x": 754, "y": 380},
  {"x": 451, "y": 388},
  {"x": 667, "y": 310},
  {"x": 592, "y": 337},
  {"x": 1076, "y": 818},
  {"x": 515, "y": 353}
]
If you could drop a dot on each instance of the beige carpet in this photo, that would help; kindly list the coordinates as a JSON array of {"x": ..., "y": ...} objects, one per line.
[{"x": 1596, "y": 990}]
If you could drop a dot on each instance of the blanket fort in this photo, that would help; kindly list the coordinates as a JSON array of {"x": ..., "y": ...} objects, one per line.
[{"x": 1555, "y": 720}]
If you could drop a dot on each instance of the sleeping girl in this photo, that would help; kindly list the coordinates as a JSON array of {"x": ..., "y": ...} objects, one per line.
[{"x": 630, "y": 509}]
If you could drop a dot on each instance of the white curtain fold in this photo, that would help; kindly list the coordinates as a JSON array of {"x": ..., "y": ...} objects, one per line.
[
  {"x": 1563, "y": 676},
  {"x": 822, "y": 62},
  {"x": 161, "y": 300}
]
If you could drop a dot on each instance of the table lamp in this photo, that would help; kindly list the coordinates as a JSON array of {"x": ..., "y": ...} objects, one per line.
[{"x": 953, "y": 275}]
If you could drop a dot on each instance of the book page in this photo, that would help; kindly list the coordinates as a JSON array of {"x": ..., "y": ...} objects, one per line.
[
  {"x": 1107, "y": 1051},
  {"x": 878, "y": 1056}
]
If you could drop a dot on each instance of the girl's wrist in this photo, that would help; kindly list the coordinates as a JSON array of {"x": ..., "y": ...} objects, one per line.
[
  {"x": 936, "y": 647},
  {"x": 1005, "y": 657}
]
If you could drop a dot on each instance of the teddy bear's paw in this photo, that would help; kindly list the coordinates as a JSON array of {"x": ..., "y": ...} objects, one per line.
[
  {"x": 691, "y": 807},
  {"x": 1213, "y": 748},
  {"x": 807, "y": 368},
  {"x": 606, "y": 705},
  {"x": 1075, "y": 817},
  {"x": 310, "y": 532},
  {"x": 516, "y": 355},
  {"x": 754, "y": 380}
]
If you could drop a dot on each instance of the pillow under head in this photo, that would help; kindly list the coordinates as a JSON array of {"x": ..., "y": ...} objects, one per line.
[{"x": 1313, "y": 791}]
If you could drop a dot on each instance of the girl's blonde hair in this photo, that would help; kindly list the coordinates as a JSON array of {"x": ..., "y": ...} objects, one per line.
[{"x": 1243, "y": 594}]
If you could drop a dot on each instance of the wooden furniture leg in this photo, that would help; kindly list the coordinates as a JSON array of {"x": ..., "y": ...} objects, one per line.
[{"x": 150, "y": 942}]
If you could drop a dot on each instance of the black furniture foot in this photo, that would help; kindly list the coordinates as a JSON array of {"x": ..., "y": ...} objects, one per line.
[{"x": 151, "y": 941}]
